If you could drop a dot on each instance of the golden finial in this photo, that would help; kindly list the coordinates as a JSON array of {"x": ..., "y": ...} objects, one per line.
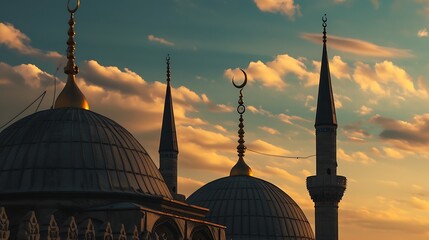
[
  {"x": 241, "y": 168},
  {"x": 71, "y": 96}
]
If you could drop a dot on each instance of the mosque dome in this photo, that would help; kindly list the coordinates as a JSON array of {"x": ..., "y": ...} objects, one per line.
[
  {"x": 77, "y": 152},
  {"x": 252, "y": 209}
]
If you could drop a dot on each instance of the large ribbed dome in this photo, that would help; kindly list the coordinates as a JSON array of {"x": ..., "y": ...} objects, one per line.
[
  {"x": 252, "y": 209},
  {"x": 72, "y": 150}
]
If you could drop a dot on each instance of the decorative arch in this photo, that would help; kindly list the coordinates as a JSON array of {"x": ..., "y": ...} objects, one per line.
[
  {"x": 201, "y": 233},
  {"x": 167, "y": 229}
]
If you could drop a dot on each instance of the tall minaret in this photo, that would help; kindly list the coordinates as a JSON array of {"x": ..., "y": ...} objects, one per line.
[
  {"x": 168, "y": 149},
  {"x": 326, "y": 188}
]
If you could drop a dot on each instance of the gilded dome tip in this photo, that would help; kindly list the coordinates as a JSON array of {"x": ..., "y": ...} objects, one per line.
[{"x": 241, "y": 169}]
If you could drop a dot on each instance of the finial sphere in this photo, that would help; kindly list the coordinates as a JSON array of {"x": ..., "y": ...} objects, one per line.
[
  {"x": 244, "y": 83},
  {"x": 73, "y": 10}
]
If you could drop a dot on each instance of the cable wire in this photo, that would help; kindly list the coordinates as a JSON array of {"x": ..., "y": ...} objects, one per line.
[
  {"x": 280, "y": 156},
  {"x": 31, "y": 104}
]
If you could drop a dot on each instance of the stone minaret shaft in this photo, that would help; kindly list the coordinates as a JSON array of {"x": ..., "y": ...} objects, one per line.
[
  {"x": 326, "y": 188},
  {"x": 168, "y": 149}
]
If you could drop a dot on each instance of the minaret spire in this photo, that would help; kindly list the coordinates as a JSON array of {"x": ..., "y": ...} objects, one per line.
[
  {"x": 71, "y": 96},
  {"x": 326, "y": 188},
  {"x": 325, "y": 114},
  {"x": 168, "y": 149},
  {"x": 241, "y": 168}
]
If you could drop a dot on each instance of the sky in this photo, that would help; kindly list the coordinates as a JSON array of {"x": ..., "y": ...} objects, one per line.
[{"x": 379, "y": 69}]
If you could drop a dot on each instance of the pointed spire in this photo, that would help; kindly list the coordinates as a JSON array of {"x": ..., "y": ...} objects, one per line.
[
  {"x": 241, "y": 168},
  {"x": 71, "y": 96},
  {"x": 325, "y": 115},
  {"x": 168, "y": 133}
]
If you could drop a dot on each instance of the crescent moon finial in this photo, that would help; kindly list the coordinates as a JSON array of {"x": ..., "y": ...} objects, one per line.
[
  {"x": 73, "y": 10},
  {"x": 324, "y": 18},
  {"x": 243, "y": 84},
  {"x": 324, "y": 25}
]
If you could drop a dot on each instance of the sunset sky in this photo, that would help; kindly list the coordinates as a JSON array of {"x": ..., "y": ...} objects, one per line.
[{"x": 378, "y": 51}]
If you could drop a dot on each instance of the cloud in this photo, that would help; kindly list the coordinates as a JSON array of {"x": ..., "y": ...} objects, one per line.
[
  {"x": 269, "y": 130},
  {"x": 14, "y": 39},
  {"x": 289, "y": 119},
  {"x": 419, "y": 203},
  {"x": 359, "y": 156},
  {"x": 355, "y": 133},
  {"x": 188, "y": 185},
  {"x": 393, "y": 153},
  {"x": 337, "y": 67},
  {"x": 204, "y": 149},
  {"x": 385, "y": 79},
  {"x": 364, "y": 110},
  {"x": 163, "y": 41},
  {"x": 389, "y": 183},
  {"x": 220, "y": 128},
  {"x": 271, "y": 74},
  {"x": 283, "y": 174},
  {"x": 268, "y": 148},
  {"x": 358, "y": 47},
  {"x": 212, "y": 107},
  {"x": 393, "y": 218},
  {"x": 422, "y": 33},
  {"x": 286, "y": 7},
  {"x": 28, "y": 74},
  {"x": 412, "y": 135}
]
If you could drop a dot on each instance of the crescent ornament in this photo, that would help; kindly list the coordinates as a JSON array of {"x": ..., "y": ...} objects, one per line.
[
  {"x": 244, "y": 83},
  {"x": 73, "y": 10}
]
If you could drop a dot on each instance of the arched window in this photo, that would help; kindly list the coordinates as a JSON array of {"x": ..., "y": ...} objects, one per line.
[
  {"x": 201, "y": 233},
  {"x": 167, "y": 229}
]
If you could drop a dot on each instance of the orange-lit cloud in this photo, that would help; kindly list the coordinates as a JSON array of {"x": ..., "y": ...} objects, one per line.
[
  {"x": 188, "y": 185},
  {"x": 290, "y": 119},
  {"x": 212, "y": 107},
  {"x": 14, "y": 39},
  {"x": 364, "y": 110},
  {"x": 269, "y": 130},
  {"x": 160, "y": 40},
  {"x": 286, "y": 7},
  {"x": 358, "y": 156},
  {"x": 358, "y": 47},
  {"x": 422, "y": 33},
  {"x": 283, "y": 174},
  {"x": 419, "y": 203},
  {"x": 268, "y": 148},
  {"x": 272, "y": 74},
  {"x": 338, "y": 68},
  {"x": 384, "y": 79}
]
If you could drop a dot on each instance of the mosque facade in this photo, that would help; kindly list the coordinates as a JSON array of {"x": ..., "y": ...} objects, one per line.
[{"x": 69, "y": 172}]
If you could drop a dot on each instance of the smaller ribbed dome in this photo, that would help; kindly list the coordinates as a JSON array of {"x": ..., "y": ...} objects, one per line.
[{"x": 252, "y": 209}]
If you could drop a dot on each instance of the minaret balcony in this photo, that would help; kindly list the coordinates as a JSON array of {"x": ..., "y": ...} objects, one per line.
[{"x": 326, "y": 188}]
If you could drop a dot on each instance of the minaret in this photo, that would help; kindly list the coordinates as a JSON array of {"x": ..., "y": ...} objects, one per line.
[
  {"x": 71, "y": 96},
  {"x": 326, "y": 188},
  {"x": 241, "y": 168},
  {"x": 168, "y": 149}
]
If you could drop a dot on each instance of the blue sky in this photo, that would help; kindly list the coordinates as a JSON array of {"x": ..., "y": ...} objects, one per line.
[{"x": 379, "y": 68}]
